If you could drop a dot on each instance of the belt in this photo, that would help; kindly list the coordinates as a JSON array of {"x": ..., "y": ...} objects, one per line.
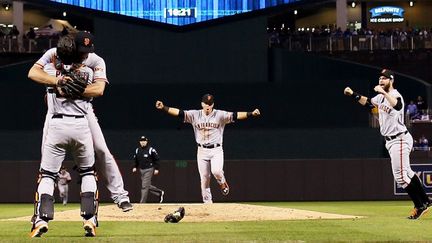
[
  {"x": 209, "y": 146},
  {"x": 54, "y": 91},
  {"x": 389, "y": 138},
  {"x": 60, "y": 116}
]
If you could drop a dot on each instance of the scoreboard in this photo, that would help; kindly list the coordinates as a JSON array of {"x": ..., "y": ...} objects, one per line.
[{"x": 177, "y": 12}]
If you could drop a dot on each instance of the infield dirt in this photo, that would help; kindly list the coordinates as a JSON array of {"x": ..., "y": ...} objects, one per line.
[{"x": 217, "y": 212}]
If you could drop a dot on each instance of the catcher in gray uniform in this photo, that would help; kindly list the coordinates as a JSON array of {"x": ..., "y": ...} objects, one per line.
[
  {"x": 68, "y": 132},
  {"x": 45, "y": 68},
  {"x": 208, "y": 125},
  {"x": 399, "y": 141}
]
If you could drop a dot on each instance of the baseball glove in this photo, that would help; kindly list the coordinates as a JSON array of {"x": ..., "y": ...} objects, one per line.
[
  {"x": 176, "y": 216},
  {"x": 73, "y": 84}
]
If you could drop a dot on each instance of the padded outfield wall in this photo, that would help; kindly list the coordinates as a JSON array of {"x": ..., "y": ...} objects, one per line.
[{"x": 250, "y": 180}]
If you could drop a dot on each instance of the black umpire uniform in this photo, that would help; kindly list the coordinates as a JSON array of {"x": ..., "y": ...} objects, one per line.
[{"x": 146, "y": 160}]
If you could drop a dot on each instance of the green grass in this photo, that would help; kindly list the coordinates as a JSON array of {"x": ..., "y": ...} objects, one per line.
[{"x": 385, "y": 222}]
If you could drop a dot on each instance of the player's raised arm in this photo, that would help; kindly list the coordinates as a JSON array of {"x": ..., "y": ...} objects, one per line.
[
  {"x": 170, "y": 110},
  {"x": 394, "y": 102},
  {"x": 363, "y": 100},
  {"x": 243, "y": 114},
  {"x": 37, "y": 74}
]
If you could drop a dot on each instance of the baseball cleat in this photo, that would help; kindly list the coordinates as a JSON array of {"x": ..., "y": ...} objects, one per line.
[
  {"x": 161, "y": 197},
  {"x": 90, "y": 228},
  {"x": 224, "y": 189},
  {"x": 125, "y": 206},
  {"x": 418, "y": 212},
  {"x": 39, "y": 230}
]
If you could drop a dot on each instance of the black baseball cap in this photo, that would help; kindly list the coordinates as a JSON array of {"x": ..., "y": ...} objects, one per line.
[
  {"x": 208, "y": 99},
  {"x": 387, "y": 73},
  {"x": 84, "y": 42},
  {"x": 143, "y": 138}
]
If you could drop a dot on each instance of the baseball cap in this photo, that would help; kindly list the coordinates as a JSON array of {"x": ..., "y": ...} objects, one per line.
[
  {"x": 387, "y": 73},
  {"x": 84, "y": 42},
  {"x": 208, "y": 99},
  {"x": 143, "y": 138}
]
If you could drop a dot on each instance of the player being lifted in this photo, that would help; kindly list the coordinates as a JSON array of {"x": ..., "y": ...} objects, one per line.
[
  {"x": 208, "y": 125},
  {"x": 399, "y": 141},
  {"x": 44, "y": 69},
  {"x": 68, "y": 131}
]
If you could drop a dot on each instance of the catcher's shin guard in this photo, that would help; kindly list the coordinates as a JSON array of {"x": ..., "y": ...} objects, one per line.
[
  {"x": 46, "y": 207},
  {"x": 89, "y": 200},
  {"x": 44, "y": 203},
  {"x": 43, "y": 207},
  {"x": 89, "y": 204}
]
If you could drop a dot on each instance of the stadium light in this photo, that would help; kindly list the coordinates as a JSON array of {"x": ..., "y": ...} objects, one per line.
[
  {"x": 411, "y": 3},
  {"x": 353, "y": 4}
]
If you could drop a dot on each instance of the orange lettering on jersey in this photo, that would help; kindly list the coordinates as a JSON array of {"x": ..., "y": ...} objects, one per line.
[{"x": 385, "y": 108}]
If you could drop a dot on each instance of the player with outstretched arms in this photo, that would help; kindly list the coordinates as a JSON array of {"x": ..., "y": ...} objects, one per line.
[{"x": 208, "y": 125}]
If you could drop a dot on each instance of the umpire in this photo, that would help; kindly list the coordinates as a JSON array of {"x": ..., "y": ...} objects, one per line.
[{"x": 146, "y": 159}]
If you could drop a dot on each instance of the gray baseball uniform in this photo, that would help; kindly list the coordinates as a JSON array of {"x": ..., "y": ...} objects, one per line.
[
  {"x": 392, "y": 126},
  {"x": 68, "y": 130},
  {"x": 209, "y": 137},
  {"x": 105, "y": 161},
  {"x": 399, "y": 141},
  {"x": 63, "y": 185}
]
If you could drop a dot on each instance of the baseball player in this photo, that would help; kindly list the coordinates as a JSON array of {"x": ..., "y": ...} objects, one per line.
[
  {"x": 208, "y": 125},
  {"x": 68, "y": 130},
  {"x": 63, "y": 184},
  {"x": 105, "y": 161},
  {"x": 146, "y": 160},
  {"x": 399, "y": 141}
]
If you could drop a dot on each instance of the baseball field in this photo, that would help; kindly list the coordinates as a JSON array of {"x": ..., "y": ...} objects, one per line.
[{"x": 358, "y": 221}]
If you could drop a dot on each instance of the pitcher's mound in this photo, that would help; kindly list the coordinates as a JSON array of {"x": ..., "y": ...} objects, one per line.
[{"x": 217, "y": 212}]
